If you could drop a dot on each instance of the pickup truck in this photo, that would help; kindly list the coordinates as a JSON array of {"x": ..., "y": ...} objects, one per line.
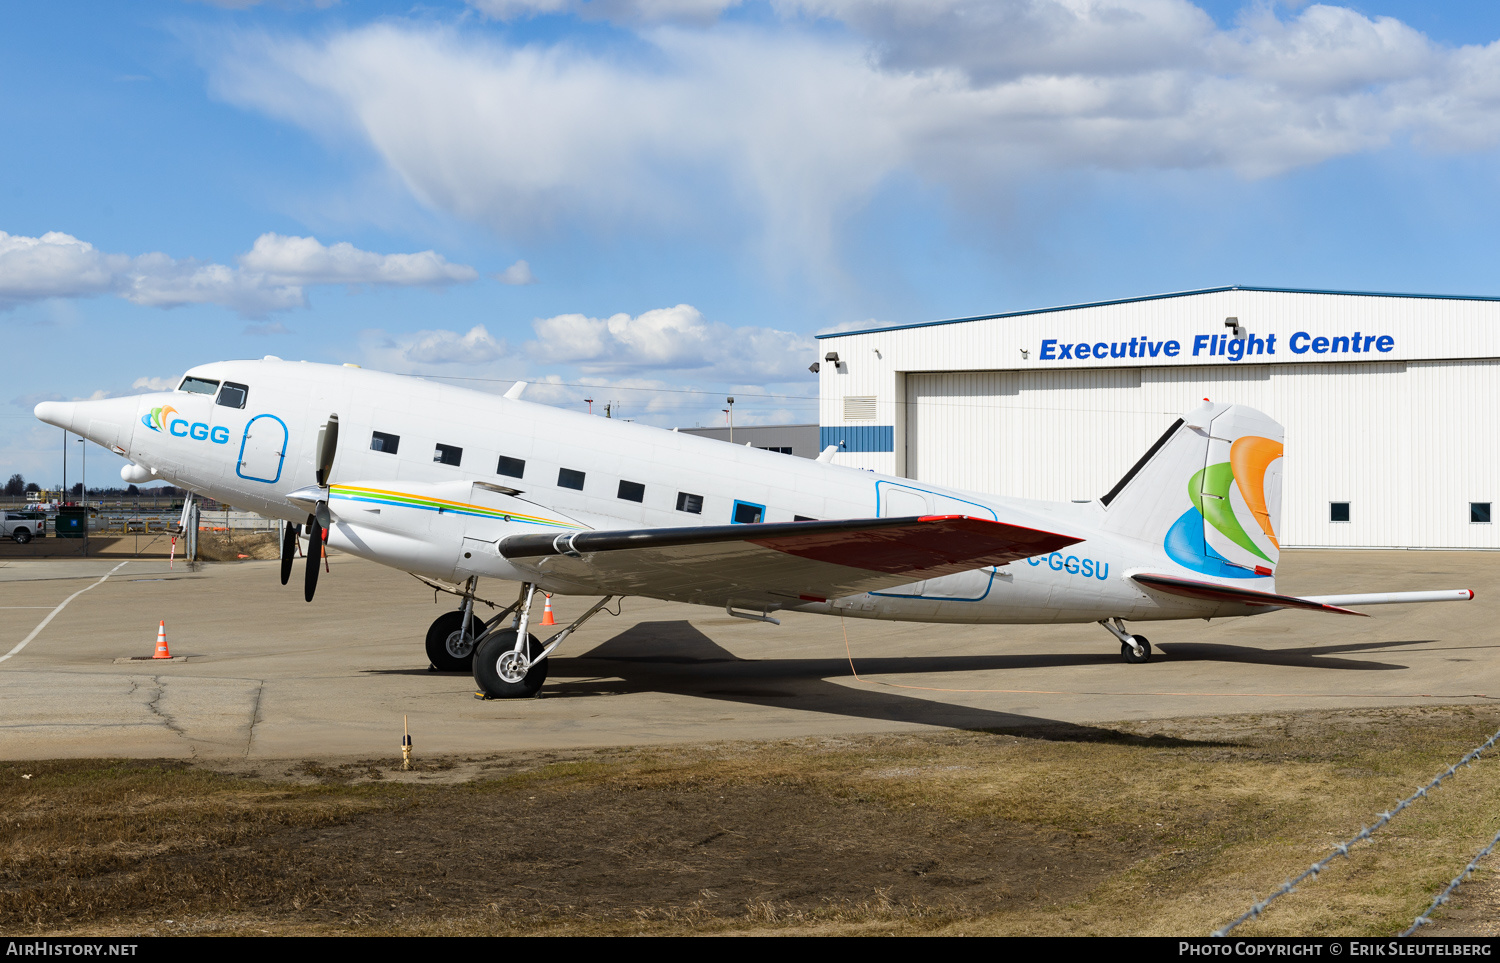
[{"x": 23, "y": 526}]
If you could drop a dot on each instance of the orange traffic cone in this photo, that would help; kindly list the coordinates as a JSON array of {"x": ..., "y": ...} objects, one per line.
[
  {"x": 547, "y": 618},
  {"x": 162, "y": 652}
]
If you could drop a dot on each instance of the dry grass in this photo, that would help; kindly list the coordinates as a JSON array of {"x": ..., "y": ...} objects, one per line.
[
  {"x": 232, "y": 545},
  {"x": 1173, "y": 830}
]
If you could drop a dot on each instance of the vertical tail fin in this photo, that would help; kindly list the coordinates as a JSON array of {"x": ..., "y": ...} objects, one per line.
[{"x": 1208, "y": 493}]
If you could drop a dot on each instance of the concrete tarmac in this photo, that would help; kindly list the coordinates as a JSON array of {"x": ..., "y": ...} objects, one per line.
[{"x": 268, "y": 676}]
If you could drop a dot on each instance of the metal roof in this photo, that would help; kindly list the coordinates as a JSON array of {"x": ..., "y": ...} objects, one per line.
[{"x": 1155, "y": 297}]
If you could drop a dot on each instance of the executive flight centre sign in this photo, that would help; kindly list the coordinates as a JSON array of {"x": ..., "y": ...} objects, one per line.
[
  {"x": 1229, "y": 347},
  {"x": 1220, "y": 326}
]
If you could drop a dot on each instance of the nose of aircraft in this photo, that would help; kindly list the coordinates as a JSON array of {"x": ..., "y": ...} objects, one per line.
[
  {"x": 107, "y": 421},
  {"x": 59, "y": 413}
]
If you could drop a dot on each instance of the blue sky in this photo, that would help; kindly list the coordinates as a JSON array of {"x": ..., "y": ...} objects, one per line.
[{"x": 647, "y": 196}]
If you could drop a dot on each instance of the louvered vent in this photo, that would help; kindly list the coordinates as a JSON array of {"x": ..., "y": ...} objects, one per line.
[{"x": 859, "y": 407}]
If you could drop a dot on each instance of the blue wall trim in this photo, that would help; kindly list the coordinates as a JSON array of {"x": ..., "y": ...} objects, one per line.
[
  {"x": 858, "y": 438},
  {"x": 1156, "y": 297}
]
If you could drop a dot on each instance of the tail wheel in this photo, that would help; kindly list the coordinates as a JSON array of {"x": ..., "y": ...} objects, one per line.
[
  {"x": 501, "y": 674},
  {"x": 1129, "y": 654},
  {"x": 447, "y": 650}
]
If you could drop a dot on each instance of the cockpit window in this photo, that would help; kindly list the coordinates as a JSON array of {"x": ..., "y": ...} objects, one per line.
[
  {"x": 233, "y": 395},
  {"x": 198, "y": 386}
]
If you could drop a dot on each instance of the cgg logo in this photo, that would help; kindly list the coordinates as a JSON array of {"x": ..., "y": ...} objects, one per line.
[
  {"x": 1072, "y": 564},
  {"x": 198, "y": 431}
]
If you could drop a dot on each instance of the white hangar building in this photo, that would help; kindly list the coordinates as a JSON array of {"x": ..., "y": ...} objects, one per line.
[{"x": 1389, "y": 402}]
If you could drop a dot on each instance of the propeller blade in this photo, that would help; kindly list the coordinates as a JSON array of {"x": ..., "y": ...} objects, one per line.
[
  {"x": 314, "y": 556},
  {"x": 328, "y": 444},
  {"x": 289, "y": 551}
]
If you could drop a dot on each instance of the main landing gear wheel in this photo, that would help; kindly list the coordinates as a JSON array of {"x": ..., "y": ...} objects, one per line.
[
  {"x": 1129, "y": 654},
  {"x": 447, "y": 650},
  {"x": 502, "y": 673}
]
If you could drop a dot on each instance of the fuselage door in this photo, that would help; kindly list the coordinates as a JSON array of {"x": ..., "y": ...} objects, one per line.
[
  {"x": 899, "y": 501},
  {"x": 263, "y": 449}
]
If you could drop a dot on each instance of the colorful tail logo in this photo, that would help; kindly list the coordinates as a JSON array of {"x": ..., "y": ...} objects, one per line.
[
  {"x": 1222, "y": 495},
  {"x": 156, "y": 419}
]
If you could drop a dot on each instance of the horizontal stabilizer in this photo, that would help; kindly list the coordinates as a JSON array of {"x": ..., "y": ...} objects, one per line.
[
  {"x": 778, "y": 561},
  {"x": 1215, "y": 592}
]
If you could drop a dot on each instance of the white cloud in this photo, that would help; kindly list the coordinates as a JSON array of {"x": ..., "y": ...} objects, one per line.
[
  {"x": 54, "y": 265},
  {"x": 626, "y": 11},
  {"x": 271, "y": 277},
  {"x": 155, "y": 384},
  {"x": 517, "y": 273},
  {"x": 799, "y": 123},
  {"x": 304, "y": 260},
  {"x": 158, "y": 281},
  {"x": 450, "y": 347},
  {"x": 675, "y": 338}
]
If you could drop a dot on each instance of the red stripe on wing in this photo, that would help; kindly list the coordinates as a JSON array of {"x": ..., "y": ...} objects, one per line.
[{"x": 930, "y": 546}]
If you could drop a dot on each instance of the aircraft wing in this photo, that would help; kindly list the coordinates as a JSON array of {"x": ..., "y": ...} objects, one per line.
[
  {"x": 776, "y": 563},
  {"x": 1213, "y": 591}
]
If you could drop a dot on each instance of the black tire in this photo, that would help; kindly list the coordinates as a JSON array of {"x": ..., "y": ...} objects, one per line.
[
  {"x": 487, "y": 673},
  {"x": 21, "y": 535},
  {"x": 289, "y": 551},
  {"x": 443, "y": 650},
  {"x": 1129, "y": 654}
]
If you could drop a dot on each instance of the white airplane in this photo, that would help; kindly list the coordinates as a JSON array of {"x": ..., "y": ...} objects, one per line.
[{"x": 454, "y": 485}]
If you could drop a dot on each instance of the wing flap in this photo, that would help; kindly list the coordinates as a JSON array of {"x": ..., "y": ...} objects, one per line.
[
  {"x": 771, "y": 563},
  {"x": 1213, "y": 591}
]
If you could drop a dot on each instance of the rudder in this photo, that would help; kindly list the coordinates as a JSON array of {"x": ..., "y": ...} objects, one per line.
[{"x": 1208, "y": 493}]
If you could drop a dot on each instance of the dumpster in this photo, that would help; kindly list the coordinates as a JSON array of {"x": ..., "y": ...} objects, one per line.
[{"x": 72, "y": 522}]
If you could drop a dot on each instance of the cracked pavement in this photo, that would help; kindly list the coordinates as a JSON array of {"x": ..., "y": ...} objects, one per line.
[{"x": 268, "y": 676}]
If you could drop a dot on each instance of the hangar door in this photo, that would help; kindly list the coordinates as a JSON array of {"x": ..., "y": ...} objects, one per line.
[
  {"x": 1408, "y": 448},
  {"x": 1022, "y": 433}
]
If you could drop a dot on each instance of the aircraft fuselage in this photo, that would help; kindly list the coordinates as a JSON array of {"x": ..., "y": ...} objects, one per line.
[{"x": 403, "y": 441}]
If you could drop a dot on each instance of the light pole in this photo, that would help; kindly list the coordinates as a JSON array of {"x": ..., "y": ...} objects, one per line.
[
  {"x": 731, "y": 419},
  {"x": 85, "y": 496},
  {"x": 62, "y": 495}
]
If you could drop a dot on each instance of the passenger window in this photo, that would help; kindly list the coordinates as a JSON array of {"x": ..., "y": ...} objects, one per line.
[
  {"x": 448, "y": 455},
  {"x": 632, "y": 491},
  {"x": 514, "y": 467},
  {"x": 747, "y": 513},
  {"x": 568, "y": 478},
  {"x": 198, "y": 386},
  {"x": 690, "y": 503},
  {"x": 233, "y": 395},
  {"x": 382, "y": 441}
]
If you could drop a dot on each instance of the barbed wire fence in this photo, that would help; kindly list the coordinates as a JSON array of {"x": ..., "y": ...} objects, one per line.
[
  {"x": 1342, "y": 849},
  {"x": 1426, "y": 916}
]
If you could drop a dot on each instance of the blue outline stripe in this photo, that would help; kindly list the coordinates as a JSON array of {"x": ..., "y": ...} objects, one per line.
[
  {"x": 280, "y": 462},
  {"x": 936, "y": 598},
  {"x": 1159, "y": 297}
]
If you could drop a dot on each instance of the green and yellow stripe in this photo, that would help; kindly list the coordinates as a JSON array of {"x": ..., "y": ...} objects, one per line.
[{"x": 443, "y": 506}]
